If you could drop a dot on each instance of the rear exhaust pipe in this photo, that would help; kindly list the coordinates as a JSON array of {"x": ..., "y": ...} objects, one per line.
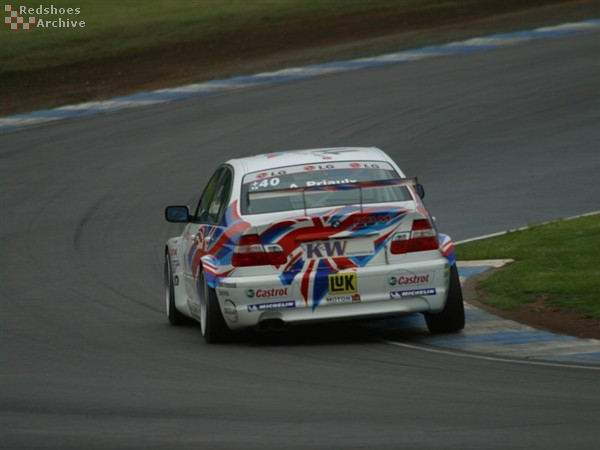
[{"x": 271, "y": 325}]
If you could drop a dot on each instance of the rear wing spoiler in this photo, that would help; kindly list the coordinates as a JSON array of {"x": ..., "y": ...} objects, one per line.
[{"x": 310, "y": 190}]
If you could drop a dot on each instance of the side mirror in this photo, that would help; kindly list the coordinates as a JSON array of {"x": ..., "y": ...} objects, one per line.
[
  {"x": 177, "y": 214},
  {"x": 420, "y": 190}
]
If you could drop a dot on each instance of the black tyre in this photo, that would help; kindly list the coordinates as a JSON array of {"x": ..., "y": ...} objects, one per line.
[
  {"x": 174, "y": 316},
  {"x": 212, "y": 323},
  {"x": 452, "y": 317}
]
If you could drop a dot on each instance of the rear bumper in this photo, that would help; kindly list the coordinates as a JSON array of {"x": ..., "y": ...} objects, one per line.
[{"x": 383, "y": 290}]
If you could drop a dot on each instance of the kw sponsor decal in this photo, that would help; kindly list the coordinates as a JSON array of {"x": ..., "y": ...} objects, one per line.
[
  {"x": 412, "y": 293},
  {"x": 408, "y": 280},
  {"x": 342, "y": 283},
  {"x": 267, "y": 293},
  {"x": 272, "y": 305},
  {"x": 326, "y": 249}
]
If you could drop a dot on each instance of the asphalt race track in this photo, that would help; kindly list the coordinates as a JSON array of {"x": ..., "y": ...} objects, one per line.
[{"x": 500, "y": 139}]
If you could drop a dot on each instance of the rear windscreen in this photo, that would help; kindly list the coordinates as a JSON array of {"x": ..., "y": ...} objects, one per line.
[{"x": 308, "y": 175}]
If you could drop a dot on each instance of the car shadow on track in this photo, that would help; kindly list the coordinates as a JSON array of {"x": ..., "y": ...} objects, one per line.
[
  {"x": 401, "y": 329},
  {"x": 405, "y": 328}
]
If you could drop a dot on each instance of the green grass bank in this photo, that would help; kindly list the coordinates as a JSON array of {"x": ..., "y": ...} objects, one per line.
[
  {"x": 557, "y": 264},
  {"x": 119, "y": 27},
  {"x": 132, "y": 45}
]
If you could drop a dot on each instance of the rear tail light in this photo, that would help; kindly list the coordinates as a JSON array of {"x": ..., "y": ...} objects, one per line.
[
  {"x": 249, "y": 251},
  {"x": 400, "y": 243},
  {"x": 421, "y": 238}
]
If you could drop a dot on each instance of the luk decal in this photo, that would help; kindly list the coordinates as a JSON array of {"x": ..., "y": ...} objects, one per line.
[
  {"x": 407, "y": 280},
  {"x": 267, "y": 293},
  {"x": 342, "y": 283},
  {"x": 412, "y": 293},
  {"x": 230, "y": 311},
  {"x": 272, "y": 305}
]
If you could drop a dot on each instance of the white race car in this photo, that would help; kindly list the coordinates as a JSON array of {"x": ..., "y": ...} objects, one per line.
[{"x": 308, "y": 236}]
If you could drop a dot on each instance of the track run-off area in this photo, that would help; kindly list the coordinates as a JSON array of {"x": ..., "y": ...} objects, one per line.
[{"x": 501, "y": 137}]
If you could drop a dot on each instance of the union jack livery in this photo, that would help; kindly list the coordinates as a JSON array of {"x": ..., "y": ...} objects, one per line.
[{"x": 306, "y": 236}]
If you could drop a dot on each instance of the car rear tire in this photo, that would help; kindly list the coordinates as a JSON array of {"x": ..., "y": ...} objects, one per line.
[
  {"x": 174, "y": 316},
  {"x": 212, "y": 323},
  {"x": 452, "y": 317}
]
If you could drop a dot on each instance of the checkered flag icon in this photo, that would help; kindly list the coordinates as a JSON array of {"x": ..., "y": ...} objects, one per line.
[{"x": 14, "y": 20}]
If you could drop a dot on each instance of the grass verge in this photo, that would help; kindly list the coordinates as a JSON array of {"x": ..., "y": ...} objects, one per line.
[
  {"x": 134, "y": 45},
  {"x": 114, "y": 28},
  {"x": 557, "y": 264}
]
